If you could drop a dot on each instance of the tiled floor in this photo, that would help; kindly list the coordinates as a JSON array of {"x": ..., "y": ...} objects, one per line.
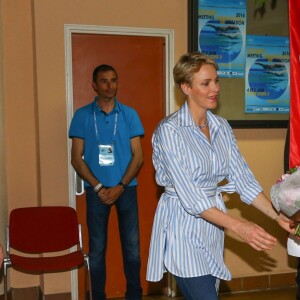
[
  {"x": 287, "y": 294},
  {"x": 282, "y": 294}
]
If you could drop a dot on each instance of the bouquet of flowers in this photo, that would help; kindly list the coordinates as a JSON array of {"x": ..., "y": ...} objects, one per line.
[{"x": 285, "y": 194}]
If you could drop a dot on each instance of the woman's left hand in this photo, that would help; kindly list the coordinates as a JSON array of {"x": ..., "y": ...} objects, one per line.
[{"x": 285, "y": 223}]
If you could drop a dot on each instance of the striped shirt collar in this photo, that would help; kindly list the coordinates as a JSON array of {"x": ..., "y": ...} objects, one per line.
[{"x": 185, "y": 118}]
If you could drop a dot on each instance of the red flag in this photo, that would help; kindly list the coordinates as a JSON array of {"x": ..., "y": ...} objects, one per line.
[{"x": 294, "y": 12}]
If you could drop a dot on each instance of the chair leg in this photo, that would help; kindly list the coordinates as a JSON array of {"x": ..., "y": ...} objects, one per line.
[
  {"x": 88, "y": 287},
  {"x": 5, "y": 279}
]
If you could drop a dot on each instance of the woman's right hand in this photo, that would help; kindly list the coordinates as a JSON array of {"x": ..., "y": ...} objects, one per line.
[{"x": 255, "y": 235}]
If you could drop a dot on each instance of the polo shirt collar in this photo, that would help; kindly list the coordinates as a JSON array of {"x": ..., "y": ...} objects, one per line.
[{"x": 117, "y": 107}]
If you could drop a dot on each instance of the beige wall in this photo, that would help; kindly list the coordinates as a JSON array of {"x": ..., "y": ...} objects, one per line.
[
  {"x": 35, "y": 92},
  {"x": 20, "y": 120},
  {"x": 35, "y": 171},
  {"x": 3, "y": 196}
]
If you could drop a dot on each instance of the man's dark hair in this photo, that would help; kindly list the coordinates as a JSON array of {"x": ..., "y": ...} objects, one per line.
[{"x": 102, "y": 68}]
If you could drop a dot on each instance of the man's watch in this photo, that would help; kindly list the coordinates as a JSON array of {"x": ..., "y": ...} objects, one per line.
[{"x": 124, "y": 185}]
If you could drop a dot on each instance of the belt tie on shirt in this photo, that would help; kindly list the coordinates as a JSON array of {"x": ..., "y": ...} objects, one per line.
[
  {"x": 212, "y": 192},
  {"x": 217, "y": 192}
]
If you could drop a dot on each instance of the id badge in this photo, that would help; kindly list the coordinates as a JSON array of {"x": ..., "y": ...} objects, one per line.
[{"x": 106, "y": 155}]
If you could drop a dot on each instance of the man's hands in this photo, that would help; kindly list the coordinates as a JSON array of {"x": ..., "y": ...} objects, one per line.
[{"x": 110, "y": 195}]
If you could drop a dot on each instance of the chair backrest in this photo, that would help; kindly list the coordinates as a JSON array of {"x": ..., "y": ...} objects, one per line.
[{"x": 43, "y": 229}]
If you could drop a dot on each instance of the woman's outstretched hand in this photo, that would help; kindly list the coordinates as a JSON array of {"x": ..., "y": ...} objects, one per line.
[{"x": 255, "y": 236}]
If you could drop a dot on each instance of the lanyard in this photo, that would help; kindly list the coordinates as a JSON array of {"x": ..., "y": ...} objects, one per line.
[{"x": 96, "y": 128}]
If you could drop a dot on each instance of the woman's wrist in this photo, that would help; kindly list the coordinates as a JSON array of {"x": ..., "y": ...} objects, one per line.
[
  {"x": 235, "y": 225},
  {"x": 273, "y": 215}
]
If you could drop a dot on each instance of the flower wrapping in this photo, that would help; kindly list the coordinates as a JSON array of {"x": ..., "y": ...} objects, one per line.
[{"x": 285, "y": 194}]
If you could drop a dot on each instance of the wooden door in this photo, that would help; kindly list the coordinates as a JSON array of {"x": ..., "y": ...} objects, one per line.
[{"x": 139, "y": 61}]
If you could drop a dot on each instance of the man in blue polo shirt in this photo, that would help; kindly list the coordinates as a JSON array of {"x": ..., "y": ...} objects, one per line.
[{"x": 107, "y": 155}]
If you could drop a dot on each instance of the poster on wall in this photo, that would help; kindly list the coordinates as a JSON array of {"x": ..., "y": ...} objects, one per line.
[
  {"x": 267, "y": 88},
  {"x": 221, "y": 34}
]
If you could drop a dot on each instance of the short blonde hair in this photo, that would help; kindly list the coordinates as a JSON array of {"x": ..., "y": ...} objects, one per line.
[{"x": 189, "y": 64}]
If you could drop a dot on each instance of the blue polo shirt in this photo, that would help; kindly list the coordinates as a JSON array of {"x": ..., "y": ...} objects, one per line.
[{"x": 126, "y": 126}]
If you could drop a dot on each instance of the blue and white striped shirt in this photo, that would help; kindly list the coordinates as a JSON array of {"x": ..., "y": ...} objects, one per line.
[{"x": 190, "y": 168}]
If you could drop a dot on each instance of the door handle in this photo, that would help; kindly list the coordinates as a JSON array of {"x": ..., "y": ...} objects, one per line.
[{"x": 79, "y": 185}]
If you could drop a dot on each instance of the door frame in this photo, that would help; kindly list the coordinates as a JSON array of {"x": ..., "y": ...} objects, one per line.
[{"x": 69, "y": 29}]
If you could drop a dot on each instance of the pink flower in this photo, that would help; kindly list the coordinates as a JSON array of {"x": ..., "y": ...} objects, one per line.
[{"x": 285, "y": 194}]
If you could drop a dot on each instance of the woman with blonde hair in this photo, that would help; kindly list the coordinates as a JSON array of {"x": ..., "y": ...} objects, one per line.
[{"x": 193, "y": 151}]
